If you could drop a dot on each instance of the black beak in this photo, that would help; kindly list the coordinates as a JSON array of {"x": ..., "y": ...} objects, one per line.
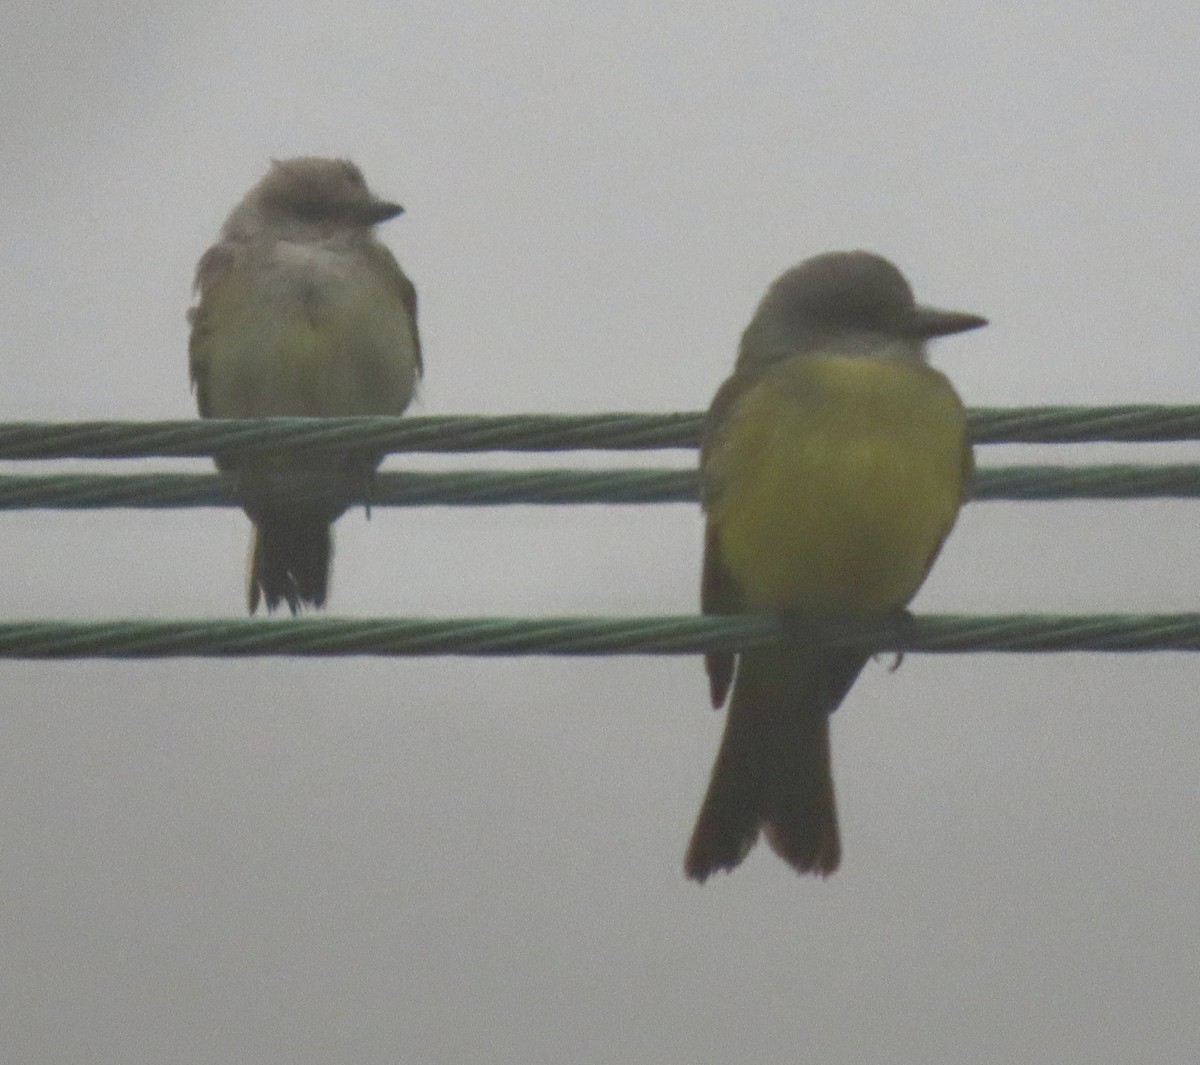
[
  {"x": 926, "y": 322},
  {"x": 380, "y": 211}
]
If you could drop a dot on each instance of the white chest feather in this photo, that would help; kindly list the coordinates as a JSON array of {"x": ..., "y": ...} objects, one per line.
[{"x": 308, "y": 329}]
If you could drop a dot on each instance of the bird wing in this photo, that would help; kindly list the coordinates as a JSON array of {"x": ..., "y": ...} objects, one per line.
[
  {"x": 213, "y": 269},
  {"x": 386, "y": 262},
  {"x": 718, "y": 590}
]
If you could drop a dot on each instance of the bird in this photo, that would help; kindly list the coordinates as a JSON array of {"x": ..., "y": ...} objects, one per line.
[
  {"x": 834, "y": 461},
  {"x": 302, "y": 311}
]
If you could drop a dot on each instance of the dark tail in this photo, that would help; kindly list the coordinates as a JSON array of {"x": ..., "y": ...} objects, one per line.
[
  {"x": 773, "y": 771},
  {"x": 289, "y": 562}
]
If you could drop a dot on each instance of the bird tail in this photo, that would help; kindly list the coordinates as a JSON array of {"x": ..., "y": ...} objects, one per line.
[
  {"x": 773, "y": 771},
  {"x": 290, "y": 561}
]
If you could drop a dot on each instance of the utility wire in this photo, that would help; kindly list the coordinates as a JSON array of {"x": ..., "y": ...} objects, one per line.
[
  {"x": 572, "y": 486},
  {"x": 537, "y": 432},
  {"x": 671, "y": 635}
]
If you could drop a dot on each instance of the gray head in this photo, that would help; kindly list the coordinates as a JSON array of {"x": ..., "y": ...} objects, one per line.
[
  {"x": 309, "y": 196},
  {"x": 854, "y": 302}
]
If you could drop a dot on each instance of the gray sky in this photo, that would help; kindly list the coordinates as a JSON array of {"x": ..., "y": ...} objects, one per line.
[{"x": 480, "y": 861}]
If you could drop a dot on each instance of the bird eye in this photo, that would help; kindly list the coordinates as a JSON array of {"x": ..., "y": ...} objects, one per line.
[{"x": 310, "y": 210}]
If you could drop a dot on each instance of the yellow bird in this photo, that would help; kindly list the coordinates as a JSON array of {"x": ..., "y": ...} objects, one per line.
[{"x": 833, "y": 465}]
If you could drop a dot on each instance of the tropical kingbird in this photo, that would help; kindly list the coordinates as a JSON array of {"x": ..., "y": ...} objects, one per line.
[
  {"x": 302, "y": 311},
  {"x": 833, "y": 465}
]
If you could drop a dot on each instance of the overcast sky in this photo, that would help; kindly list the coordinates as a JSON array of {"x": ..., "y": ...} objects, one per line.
[{"x": 445, "y": 860}]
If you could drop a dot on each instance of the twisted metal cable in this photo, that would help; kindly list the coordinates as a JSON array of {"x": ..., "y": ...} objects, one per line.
[
  {"x": 537, "y": 432},
  {"x": 452, "y": 433},
  {"x": 670, "y": 635},
  {"x": 559, "y": 486}
]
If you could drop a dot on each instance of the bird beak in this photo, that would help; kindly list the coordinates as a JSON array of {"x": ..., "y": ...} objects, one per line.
[
  {"x": 926, "y": 322},
  {"x": 380, "y": 211}
]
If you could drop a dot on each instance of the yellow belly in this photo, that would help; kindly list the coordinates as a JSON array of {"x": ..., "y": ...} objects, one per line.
[{"x": 833, "y": 482}]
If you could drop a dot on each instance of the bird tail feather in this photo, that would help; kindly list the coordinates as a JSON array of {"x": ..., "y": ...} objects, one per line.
[
  {"x": 290, "y": 562},
  {"x": 773, "y": 772}
]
